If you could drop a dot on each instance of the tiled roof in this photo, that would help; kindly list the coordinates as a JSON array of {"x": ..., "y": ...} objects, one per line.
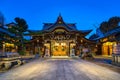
[
  {"x": 69, "y": 26},
  {"x": 117, "y": 36},
  {"x": 47, "y": 25},
  {"x": 3, "y": 30},
  {"x": 114, "y": 31},
  {"x": 34, "y": 30},
  {"x": 59, "y": 23},
  {"x": 85, "y": 31},
  {"x": 111, "y": 32}
]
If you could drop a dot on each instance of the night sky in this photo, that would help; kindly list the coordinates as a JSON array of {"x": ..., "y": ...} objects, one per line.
[{"x": 86, "y": 13}]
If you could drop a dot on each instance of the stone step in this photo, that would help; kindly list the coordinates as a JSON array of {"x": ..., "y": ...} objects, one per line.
[{"x": 61, "y": 57}]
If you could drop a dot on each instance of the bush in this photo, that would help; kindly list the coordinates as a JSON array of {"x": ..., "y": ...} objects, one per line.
[{"x": 21, "y": 52}]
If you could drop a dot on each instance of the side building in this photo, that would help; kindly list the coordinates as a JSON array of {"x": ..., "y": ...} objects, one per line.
[
  {"x": 108, "y": 43},
  {"x": 6, "y": 41}
]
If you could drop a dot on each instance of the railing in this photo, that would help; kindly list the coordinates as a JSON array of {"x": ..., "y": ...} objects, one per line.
[{"x": 116, "y": 59}]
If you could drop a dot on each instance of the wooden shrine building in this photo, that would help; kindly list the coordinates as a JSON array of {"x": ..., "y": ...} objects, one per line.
[{"x": 59, "y": 39}]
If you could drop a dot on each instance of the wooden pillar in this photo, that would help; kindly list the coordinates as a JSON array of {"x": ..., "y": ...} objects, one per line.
[
  {"x": 50, "y": 49},
  {"x": 69, "y": 49}
]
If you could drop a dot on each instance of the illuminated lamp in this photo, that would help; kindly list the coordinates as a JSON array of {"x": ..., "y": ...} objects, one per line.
[
  {"x": 12, "y": 45},
  {"x": 81, "y": 40}
]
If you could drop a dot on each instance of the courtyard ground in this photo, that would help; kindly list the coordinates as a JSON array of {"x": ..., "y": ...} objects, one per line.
[{"x": 60, "y": 69}]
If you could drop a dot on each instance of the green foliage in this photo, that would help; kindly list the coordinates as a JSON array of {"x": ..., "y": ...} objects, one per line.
[
  {"x": 21, "y": 24},
  {"x": 112, "y": 23},
  {"x": 18, "y": 28},
  {"x": 22, "y": 52},
  {"x": 104, "y": 26},
  {"x": 13, "y": 29},
  {"x": 1, "y": 20}
]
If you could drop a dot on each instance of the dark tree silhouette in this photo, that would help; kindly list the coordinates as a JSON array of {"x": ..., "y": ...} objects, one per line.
[
  {"x": 20, "y": 26},
  {"x": 1, "y": 26},
  {"x": 112, "y": 23},
  {"x": 1, "y": 20},
  {"x": 104, "y": 26}
]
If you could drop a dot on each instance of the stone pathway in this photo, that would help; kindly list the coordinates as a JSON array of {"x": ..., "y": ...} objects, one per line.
[{"x": 60, "y": 69}]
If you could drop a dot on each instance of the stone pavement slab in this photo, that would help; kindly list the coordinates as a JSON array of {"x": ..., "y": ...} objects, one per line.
[{"x": 60, "y": 69}]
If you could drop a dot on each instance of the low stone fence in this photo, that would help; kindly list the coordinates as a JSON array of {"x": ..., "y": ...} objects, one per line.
[
  {"x": 116, "y": 59},
  {"x": 6, "y": 63}
]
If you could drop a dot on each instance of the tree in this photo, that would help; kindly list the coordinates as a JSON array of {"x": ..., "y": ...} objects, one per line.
[
  {"x": 1, "y": 20},
  {"x": 18, "y": 28},
  {"x": 104, "y": 26},
  {"x": 21, "y": 24},
  {"x": 112, "y": 23},
  {"x": 1, "y": 26}
]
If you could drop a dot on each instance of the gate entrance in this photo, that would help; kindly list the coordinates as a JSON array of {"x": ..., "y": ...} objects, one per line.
[{"x": 59, "y": 49}]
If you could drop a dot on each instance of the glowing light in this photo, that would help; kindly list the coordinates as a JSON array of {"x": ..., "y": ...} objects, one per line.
[
  {"x": 9, "y": 45},
  {"x": 56, "y": 44},
  {"x": 81, "y": 40},
  {"x": 109, "y": 43},
  {"x": 63, "y": 44}
]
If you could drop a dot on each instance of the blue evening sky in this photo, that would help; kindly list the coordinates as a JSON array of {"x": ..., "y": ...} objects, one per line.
[{"x": 86, "y": 13}]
